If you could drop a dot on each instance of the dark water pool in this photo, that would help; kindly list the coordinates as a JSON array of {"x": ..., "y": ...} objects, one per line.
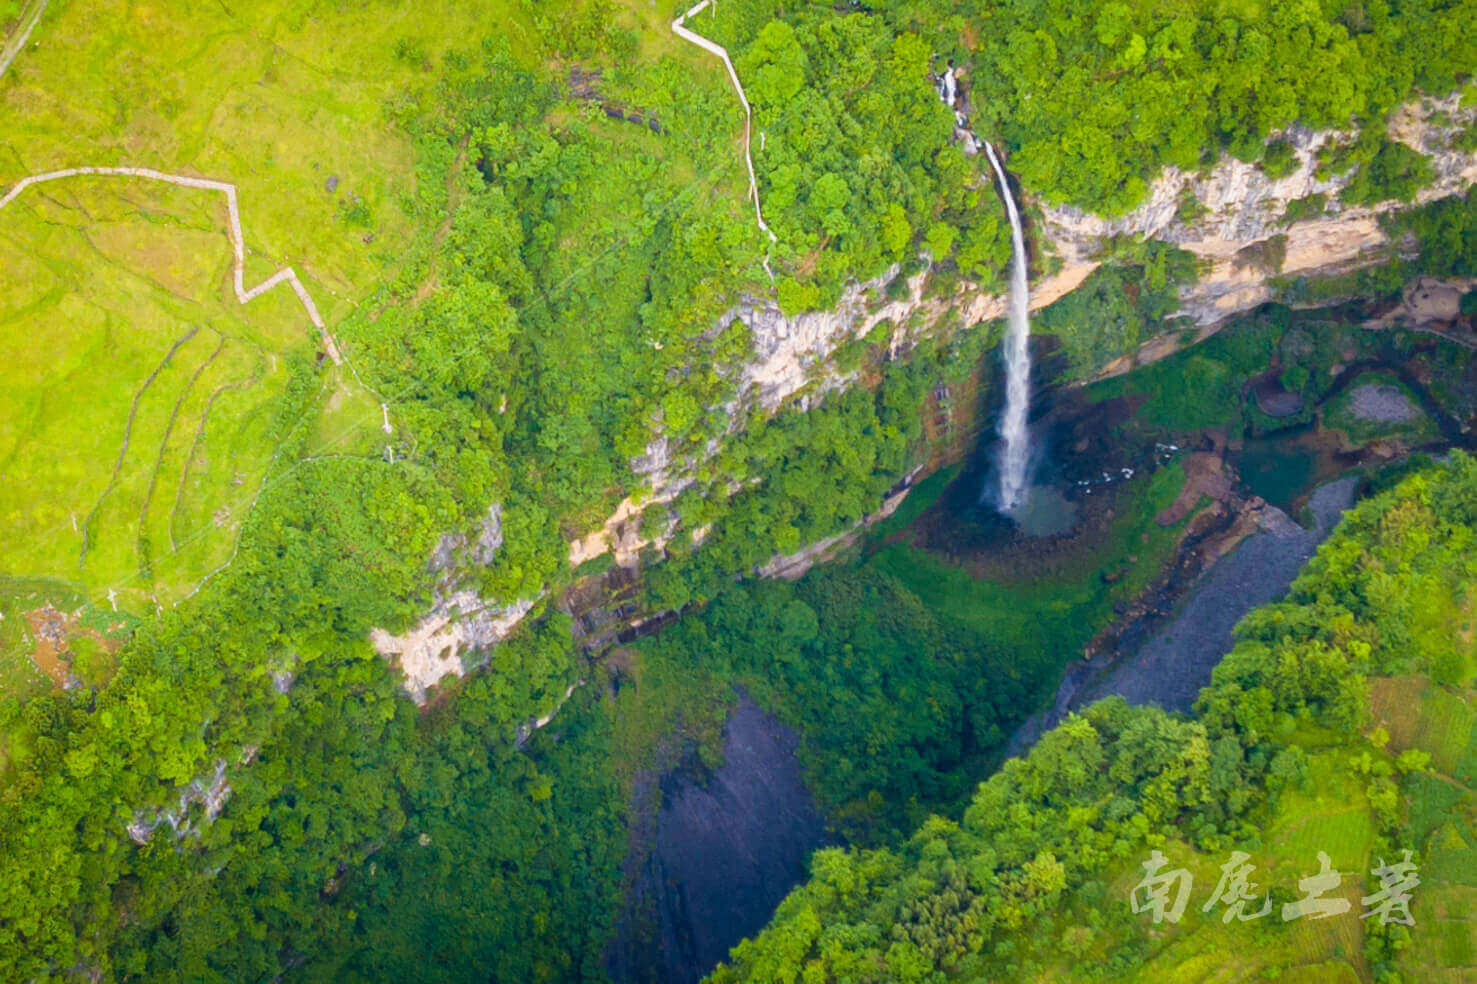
[{"x": 1279, "y": 469}]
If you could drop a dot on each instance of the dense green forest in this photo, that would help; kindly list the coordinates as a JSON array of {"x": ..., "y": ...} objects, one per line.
[
  {"x": 1096, "y": 99},
  {"x": 551, "y": 315},
  {"x": 504, "y": 400},
  {"x": 1383, "y": 613}
]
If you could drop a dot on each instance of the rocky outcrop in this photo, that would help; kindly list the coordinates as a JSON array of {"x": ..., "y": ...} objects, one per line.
[
  {"x": 1224, "y": 215},
  {"x": 621, "y": 532},
  {"x": 209, "y": 794},
  {"x": 792, "y": 352},
  {"x": 479, "y": 549},
  {"x": 459, "y": 625},
  {"x": 1233, "y": 216},
  {"x": 456, "y": 634},
  {"x": 1430, "y": 302}
]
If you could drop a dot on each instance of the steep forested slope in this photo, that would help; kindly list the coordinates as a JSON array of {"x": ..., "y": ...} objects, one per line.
[{"x": 1341, "y": 722}]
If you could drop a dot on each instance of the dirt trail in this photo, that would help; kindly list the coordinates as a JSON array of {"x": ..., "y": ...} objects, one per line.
[
  {"x": 233, "y": 229},
  {"x": 687, "y": 34}
]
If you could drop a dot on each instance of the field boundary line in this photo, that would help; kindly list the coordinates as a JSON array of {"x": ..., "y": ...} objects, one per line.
[
  {"x": 145, "y": 545},
  {"x": 138, "y": 396}
]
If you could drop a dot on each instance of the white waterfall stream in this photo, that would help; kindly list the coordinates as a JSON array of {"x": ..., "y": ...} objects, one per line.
[
  {"x": 1014, "y": 434},
  {"x": 1015, "y": 437}
]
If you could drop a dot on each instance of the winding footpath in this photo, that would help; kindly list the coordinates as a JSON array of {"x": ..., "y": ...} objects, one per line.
[
  {"x": 233, "y": 229},
  {"x": 687, "y": 34},
  {"x": 24, "y": 25}
]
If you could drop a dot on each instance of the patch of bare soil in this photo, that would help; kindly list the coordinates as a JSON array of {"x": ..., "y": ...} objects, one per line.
[
  {"x": 54, "y": 631},
  {"x": 1205, "y": 476},
  {"x": 49, "y": 629}
]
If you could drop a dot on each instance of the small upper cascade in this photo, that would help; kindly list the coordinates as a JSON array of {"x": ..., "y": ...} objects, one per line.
[{"x": 948, "y": 90}]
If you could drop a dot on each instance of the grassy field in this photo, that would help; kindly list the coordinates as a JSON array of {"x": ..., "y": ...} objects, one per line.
[
  {"x": 1441, "y": 819},
  {"x": 1333, "y": 817},
  {"x": 139, "y": 402},
  {"x": 1056, "y": 613},
  {"x": 142, "y": 402},
  {"x": 144, "y": 407}
]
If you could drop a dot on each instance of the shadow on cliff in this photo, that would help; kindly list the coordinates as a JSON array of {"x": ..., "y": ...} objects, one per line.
[{"x": 729, "y": 844}]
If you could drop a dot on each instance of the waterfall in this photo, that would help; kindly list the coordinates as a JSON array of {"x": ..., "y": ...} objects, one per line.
[{"x": 1015, "y": 451}]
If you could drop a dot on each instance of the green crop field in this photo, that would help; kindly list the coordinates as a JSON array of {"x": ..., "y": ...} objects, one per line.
[
  {"x": 139, "y": 401},
  {"x": 144, "y": 407}
]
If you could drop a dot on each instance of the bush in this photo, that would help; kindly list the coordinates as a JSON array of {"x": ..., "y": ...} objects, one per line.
[{"x": 1279, "y": 160}]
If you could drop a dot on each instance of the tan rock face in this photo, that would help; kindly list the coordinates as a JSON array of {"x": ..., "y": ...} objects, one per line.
[
  {"x": 790, "y": 351},
  {"x": 1236, "y": 208},
  {"x": 435, "y": 647},
  {"x": 787, "y": 349},
  {"x": 1325, "y": 243},
  {"x": 597, "y": 542},
  {"x": 1236, "y": 211}
]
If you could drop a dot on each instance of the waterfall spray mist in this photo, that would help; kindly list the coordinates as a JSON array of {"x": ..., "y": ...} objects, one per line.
[{"x": 1015, "y": 450}]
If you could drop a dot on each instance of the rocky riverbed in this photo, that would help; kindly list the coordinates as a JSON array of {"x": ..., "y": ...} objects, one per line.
[{"x": 1170, "y": 666}]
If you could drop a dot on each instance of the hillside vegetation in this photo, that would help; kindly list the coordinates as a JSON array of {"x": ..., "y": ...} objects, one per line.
[
  {"x": 1096, "y": 98},
  {"x": 1341, "y": 722},
  {"x": 523, "y": 223}
]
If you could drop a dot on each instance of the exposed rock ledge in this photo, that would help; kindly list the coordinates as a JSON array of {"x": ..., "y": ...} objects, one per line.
[
  {"x": 1242, "y": 209},
  {"x": 793, "y": 566},
  {"x": 432, "y": 649},
  {"x": 1241, "y": 212}
]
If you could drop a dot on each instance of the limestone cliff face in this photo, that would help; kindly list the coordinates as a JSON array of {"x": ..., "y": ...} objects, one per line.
[
  {"x": 1236, "y": 208},
  {"x": 456, "y": 634},
  {"x": 1232, "y": 216},
  {"x": 793, "y": 352},
  {"x": 459, "y": 631},
  {"x": 789, "y": 349},
  {"x": 1239, "y": 229}
]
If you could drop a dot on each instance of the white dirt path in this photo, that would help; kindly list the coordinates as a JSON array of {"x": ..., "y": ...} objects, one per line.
[
  {"x": 711, "y": 47},
  {"x": 23, "y": 29},
  {"x": 233, "y": 229}
]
